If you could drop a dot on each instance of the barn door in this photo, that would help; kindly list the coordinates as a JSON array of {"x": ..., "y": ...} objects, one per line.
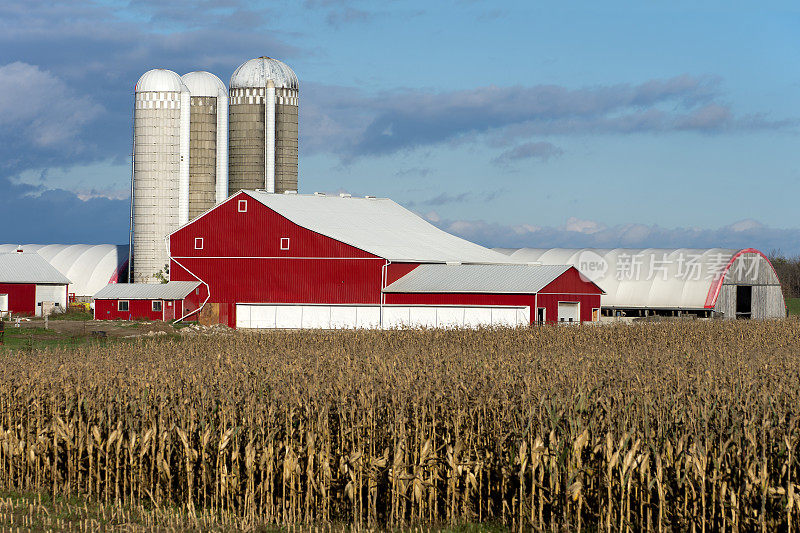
[
  {"x": 569, "y": 312},
  {"x": 169, "y": 310},
  {"x": 744, "y": 301}
]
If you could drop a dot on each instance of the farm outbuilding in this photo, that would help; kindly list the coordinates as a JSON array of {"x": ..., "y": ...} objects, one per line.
[
  {"x": 29, "y": 285},
  {"x": 316, "y": 261},
  {"x": 715, "y": 282},
  {"x": 147, "y": 301},
  {"x": 89, "y": 267}
]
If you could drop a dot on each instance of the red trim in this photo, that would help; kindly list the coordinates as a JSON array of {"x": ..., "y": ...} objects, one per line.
[{"x": 716, "y": 286}]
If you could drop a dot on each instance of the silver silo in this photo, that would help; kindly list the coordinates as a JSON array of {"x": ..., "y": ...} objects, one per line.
[
  {"x": 208, "y": 141},
  {"x": 263, "y": 126},
  {"x": 160, "y": 202}
]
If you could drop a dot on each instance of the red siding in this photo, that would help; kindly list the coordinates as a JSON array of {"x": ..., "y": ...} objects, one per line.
[
  {"x": 21, "y": 297},
  {"x": 333, "y": 281},
  {"x": 548, "y": 301},
  {"x": 396, "y": 271},
  {"x": 571, "y": 282},
  {"x": 137, "y": 310},
  {"x": 256, "y": 233},
  {"x": 242, "y": 262}
]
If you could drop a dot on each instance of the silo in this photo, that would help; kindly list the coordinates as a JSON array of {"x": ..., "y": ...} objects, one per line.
[
  {"x": 160, "y": 169},
  {"x": 208, "y": 141},
  {"x": 263, "y": 126}
]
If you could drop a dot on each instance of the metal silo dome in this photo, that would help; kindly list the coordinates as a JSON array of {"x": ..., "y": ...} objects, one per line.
[
  {"x": 160, "y": 202},
  {"x": 256, "y": 72},
  {"x": 264, "y": 100},
  {"x": 201, "y": 83},
  {"x": 160, "y": 79}
]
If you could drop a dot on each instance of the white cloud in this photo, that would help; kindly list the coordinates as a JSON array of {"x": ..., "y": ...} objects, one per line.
[
  {"x": 39, "y": 105},
  {"x": 579, "y": 233}
]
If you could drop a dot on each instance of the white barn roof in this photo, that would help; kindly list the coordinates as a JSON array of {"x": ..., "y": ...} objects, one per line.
[
  {"x": 90, "y": 267},
  {"x": 29, "y": 268},
  {"x": 657, "y": 278},
  {"x": 378, "y": 226},
  {"x": 494, "y": 279},
  {"x": 174, "y": 290}
]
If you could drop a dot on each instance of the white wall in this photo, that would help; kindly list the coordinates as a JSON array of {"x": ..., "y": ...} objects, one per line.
[
  {"x": 257, "y": 316},
  {"x": 51, "y": 293}
]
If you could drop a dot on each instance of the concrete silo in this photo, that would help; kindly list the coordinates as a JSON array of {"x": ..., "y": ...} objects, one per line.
[
  {"x": 160, "y": 202},
  {"x": 208, "y": 141},
  {"x": 263, "y": 126}
]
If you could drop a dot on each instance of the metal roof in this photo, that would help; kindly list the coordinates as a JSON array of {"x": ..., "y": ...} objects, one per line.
[
  {"x": 29, "y": 268},
  {"x": 89, "y": 267},
  {"x": 160, "y": 79},
  {"x": 495, "y": 279},
  {"x": 202, "y": 83},
  {"x": 174, "y": 290},
  {"x": 256, "y": 72},
  {"x": 650, "y": 278},
  {"x": 378, "y": 226}
]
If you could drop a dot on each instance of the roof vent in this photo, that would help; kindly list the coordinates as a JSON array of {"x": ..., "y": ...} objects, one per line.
[
  {"x": 319, "y": 194},
  {"x": 289, "y": 192},
  {"x": 370, "y": 197},
  {"x": 345, "y": 194},
  {"x": 453, "y": 263}
]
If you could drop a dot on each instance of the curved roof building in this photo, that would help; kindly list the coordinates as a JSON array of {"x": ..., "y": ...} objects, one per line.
[
  {"x": 89, "y": 267},
  {"x": 639, "y": 282}
]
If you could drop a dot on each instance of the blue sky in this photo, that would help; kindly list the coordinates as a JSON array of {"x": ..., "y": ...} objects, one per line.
[{"x": 509, "y": 123}]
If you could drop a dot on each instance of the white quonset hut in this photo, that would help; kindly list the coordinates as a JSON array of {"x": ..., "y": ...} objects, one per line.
[
  {"x": 719, "y": 282},
  {"x": 89, "y": 267},
  {"x": 160, "y": 202}
]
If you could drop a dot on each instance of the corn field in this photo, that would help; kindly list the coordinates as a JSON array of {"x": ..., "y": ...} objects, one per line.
[{"x": 670, "y": 426}]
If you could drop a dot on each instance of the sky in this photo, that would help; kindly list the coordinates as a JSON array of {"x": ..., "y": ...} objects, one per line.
[{"x": 542, "y": 124}]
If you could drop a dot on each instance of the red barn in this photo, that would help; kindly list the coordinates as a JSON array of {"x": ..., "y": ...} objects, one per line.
[
  {"x": 147, "y": 301},
  {"x": 27, "y": 281},
  {"x": 295, "y": 261}
]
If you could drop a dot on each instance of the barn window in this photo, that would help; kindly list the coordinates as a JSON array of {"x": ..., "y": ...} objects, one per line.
[
  {"x": 157, "y": 306},
  {"x": 198, "y": 243},
  {"x": 284, "y": 243},
  {"x": 243, "y": 206},
  {"x": 122, "y": 305}
]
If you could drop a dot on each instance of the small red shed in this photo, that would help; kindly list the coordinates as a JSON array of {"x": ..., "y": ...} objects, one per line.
[
  {"x": 317, "y": 261},
  {"x": 546, "y": 293},
  {"x": 27, "y": 281},
  {"x": 147, "y": 301}
]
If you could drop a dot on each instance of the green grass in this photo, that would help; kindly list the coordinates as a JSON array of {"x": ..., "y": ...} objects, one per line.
[
  {"x": 72, "y": 314},
  {"x": 793, "y": 306},
  {"x": 42, "y": 511},
  {"x": 37, "y": 338}
]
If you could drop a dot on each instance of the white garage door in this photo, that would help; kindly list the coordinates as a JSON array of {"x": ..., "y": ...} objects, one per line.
[
  {"x": 255, "y": 316},
  {"x": 569, "y": 312}
]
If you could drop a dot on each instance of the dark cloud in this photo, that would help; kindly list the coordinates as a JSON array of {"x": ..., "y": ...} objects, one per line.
[
  {"x": 577, "y": 233},
  {"x": 532, "y": 150},
  {"x": 413, "y": 171},
  {"x": 352, "y": 124},
  {"x": 459, "y": 198},
  {"x": 57, "y": 216}
]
